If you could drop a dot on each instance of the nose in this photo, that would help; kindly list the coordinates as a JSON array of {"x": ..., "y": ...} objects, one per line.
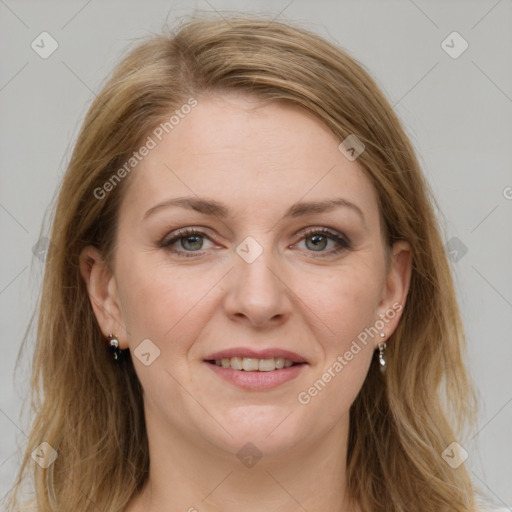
[{"x": 257, "y": 292}]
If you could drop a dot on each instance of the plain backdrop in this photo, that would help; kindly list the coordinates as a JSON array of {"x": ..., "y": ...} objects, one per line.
[{"x": 456, "y": 107}]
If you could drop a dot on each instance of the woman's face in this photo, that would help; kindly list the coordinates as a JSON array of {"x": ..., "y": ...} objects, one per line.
[{"x": 270, "y": 270}]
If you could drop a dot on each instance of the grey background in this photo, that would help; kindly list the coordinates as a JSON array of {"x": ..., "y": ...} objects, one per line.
[{"x": 458, "y": 113}]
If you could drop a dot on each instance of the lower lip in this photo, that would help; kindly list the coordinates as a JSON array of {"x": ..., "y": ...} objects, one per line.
[{"x": 256, "y": 381}]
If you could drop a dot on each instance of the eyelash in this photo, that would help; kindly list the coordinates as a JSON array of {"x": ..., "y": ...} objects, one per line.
[{"x": 344, "y": 243}]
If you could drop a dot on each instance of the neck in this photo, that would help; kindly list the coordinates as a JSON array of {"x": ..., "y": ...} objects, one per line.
[{"x": 190, "y": 474}]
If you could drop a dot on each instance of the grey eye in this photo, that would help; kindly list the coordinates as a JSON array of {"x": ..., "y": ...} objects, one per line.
[{"x": 318, "y": 242}]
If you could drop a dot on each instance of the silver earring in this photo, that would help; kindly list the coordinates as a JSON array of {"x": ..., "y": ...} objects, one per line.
[
  {"x": 382, "y": 354},
  {"x": 113, "y": 346}
]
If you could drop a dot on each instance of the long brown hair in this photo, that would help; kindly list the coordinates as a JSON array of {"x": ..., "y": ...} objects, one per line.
[{"x": 92, "y": 413}]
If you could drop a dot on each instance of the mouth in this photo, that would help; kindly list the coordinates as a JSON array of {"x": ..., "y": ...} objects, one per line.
[
  {"x": 251, "y": 364},
  {"x": 256, "y": 370},
  {"x": 250, "y": 360}
]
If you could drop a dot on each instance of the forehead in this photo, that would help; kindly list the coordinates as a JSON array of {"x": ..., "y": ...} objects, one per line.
[{"x": 248, "y": 154}]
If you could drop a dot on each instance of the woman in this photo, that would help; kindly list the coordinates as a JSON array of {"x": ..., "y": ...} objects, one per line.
[{"x": 246, "y": 302}]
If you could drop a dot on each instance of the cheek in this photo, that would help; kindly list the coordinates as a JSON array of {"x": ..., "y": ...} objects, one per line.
[
  {"x": 346, "y": 301},
  {"x": 159, "y": 300},
  {"x": 347, "y": 304}
]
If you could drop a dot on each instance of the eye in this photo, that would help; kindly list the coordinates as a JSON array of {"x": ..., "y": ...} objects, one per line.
[
  {"x": 191, "y": 241},
  {"x": 320, "y": 238}
]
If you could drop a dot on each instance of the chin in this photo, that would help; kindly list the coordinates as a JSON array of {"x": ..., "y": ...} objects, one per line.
[{"x": 269, "y": 428}]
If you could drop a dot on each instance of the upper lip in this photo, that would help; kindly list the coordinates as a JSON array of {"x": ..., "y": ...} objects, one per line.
[{"x": 267, "y": 353}]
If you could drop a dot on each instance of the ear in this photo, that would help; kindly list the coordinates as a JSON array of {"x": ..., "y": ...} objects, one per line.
[
  {"x": 397, "y": 286},
  {"x": 103, "y": 294}
]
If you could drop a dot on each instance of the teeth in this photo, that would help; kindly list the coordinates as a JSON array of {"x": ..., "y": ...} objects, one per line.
[
  {"x": 237, "y": 363},
  {"x": 267, "y": 365},
  {"x": 249, "y": 364}
]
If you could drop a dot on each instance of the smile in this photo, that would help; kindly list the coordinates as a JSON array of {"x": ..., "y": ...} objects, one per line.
[
  {"x": 256, "y": 379},
  {"x": 251, "y": 364}
]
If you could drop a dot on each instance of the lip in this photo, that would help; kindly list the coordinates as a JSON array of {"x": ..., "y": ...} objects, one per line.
[
  {"x": 267, "y": 353},
  {"x": 257, "y": 381}
]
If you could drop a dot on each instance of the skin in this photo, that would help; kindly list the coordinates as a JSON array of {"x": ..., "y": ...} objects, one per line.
[{"x": 258, "y": 160}]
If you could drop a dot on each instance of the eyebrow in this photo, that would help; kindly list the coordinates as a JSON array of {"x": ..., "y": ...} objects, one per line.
[{"x": 218, "y": 209}]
